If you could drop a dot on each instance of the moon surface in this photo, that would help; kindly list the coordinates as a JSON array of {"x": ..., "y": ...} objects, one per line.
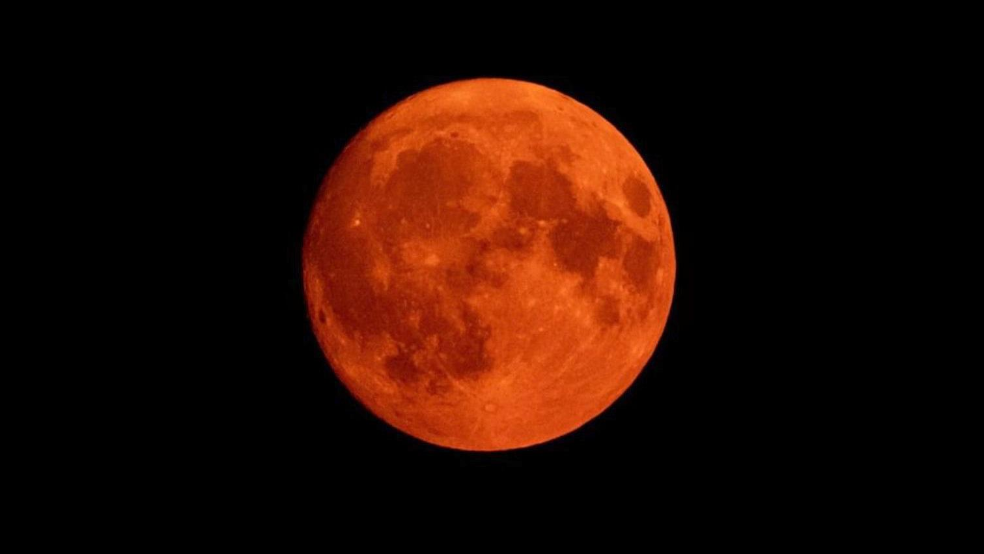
[{"x": 488, "y": 265}]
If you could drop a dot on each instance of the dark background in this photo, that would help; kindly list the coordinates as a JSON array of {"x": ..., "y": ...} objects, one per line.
[
  {"x": 773, "y": 144},
  {"x": 780, "y": 143},
  {"x": 721, "y": 401}
]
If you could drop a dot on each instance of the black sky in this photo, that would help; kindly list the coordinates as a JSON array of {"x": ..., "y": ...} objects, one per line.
[{"x": 723, "y": 394}]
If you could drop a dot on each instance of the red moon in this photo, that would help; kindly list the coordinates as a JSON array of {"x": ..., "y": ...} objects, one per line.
[{"x": 488, "y": 265}]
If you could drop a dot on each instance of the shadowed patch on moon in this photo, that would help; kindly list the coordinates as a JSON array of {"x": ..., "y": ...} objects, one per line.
[
  {"x": 475, "y": 269},
  {"x": 438, "y": 348},
  {"x": 579, "y": 238},
  {"x": 432, "y": 336},
  {"x": 584, "y": 238},
  {"x": 424, "y": 191},
  {"x": 518, "y": 236},
  {"x": 640, "y": 262},
  {"x": 607, "y": 311},
  {"x": 638, "y": 195},
  {"x": 346, "y": 269},
  {"x": 539, "y": 191}
]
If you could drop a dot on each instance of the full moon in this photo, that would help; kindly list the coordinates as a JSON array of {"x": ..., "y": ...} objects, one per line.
[{"x": 488, "y": 265}]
